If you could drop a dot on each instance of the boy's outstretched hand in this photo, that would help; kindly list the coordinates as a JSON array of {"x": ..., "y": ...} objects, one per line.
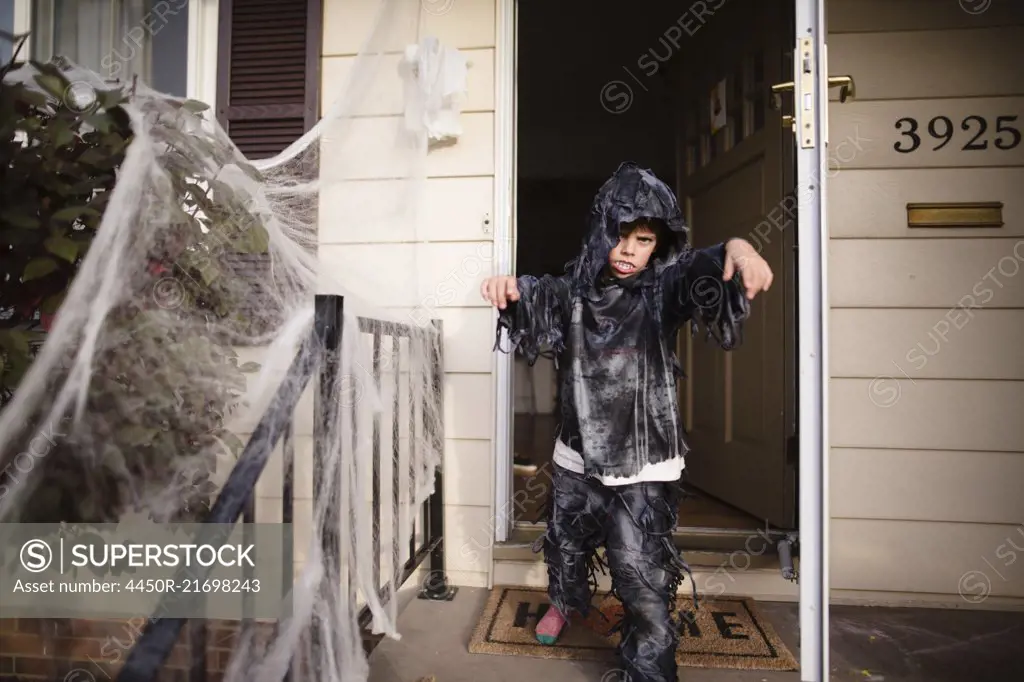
[
  {"x": 498, "y": 291},
  {"x": 740, "y": 255}
]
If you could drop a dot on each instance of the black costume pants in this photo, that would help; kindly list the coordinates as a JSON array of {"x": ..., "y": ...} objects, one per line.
[{"x": 634, "y": 523}]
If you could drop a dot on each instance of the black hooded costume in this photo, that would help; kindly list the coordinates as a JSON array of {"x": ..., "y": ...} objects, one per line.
[{"x": 613, "y": 342}]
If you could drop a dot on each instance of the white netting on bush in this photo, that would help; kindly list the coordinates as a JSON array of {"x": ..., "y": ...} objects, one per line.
[{"x": 145, "y": 378}]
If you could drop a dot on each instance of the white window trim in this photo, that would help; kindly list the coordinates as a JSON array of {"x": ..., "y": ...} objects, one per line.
[
  {"x": 23, "y": 22},
  {"x": 202, "y": 45},
  {"x": 202, "y": 52}
]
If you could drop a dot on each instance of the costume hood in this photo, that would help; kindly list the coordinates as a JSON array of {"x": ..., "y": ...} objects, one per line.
[{"x": 629, "y": 194}]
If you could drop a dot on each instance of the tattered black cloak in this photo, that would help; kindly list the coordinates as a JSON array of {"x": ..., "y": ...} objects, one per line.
[{"x": 613, "y": 340}]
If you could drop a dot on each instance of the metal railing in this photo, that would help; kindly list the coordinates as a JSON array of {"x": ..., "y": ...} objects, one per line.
[{"x": 320, "y": 351}]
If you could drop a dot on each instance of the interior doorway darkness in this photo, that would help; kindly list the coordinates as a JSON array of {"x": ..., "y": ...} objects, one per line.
[{"x": 594, "y": 89}]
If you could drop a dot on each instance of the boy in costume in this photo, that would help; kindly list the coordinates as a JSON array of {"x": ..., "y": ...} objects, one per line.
[{"x": 610, "y": 323}]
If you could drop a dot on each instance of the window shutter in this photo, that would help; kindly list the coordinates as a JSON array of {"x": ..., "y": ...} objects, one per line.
[
  {"x": 268, "y": 72},
  {"x": 268, "y": 96}
]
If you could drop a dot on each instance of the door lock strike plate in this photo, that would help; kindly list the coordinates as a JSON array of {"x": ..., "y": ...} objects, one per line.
[{"x": 806, "y": 106}]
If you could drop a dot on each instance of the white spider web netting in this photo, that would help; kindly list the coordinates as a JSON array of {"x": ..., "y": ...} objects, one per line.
[{"x": 161, "y": 288}]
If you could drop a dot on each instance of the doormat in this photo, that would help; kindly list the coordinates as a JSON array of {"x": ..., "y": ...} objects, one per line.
[{"x": 727, "y": 632}]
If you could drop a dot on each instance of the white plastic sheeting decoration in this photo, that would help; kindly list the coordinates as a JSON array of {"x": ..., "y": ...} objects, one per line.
[{"x": 435, "y": 89}]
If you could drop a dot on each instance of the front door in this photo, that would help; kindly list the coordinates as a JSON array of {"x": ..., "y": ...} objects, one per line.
[{"x": 735, "y": 171}]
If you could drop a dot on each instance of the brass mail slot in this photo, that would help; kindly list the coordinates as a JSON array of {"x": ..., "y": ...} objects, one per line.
[{"x": 964, "y": 214}]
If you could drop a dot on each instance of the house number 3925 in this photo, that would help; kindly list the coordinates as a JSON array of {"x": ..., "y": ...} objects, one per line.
[{"x": 975, "y": 133}]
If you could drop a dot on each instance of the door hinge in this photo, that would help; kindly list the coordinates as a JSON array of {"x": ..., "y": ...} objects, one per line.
[
  {"x": 785, "y": 549},
  {"x": 793, "y": 449}
]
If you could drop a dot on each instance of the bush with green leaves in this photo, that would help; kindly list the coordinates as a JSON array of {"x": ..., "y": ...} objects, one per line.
[{"x": 150, "y": 419}]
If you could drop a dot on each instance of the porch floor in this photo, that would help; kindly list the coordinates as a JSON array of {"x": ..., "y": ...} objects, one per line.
[{"x": 869, "y": 644}]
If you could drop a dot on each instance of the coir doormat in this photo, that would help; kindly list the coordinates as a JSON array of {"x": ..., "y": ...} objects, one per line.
[{"x": 726, "y": 632}]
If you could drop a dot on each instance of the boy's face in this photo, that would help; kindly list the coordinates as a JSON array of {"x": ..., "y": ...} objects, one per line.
[{"x": 636, "y": 244}]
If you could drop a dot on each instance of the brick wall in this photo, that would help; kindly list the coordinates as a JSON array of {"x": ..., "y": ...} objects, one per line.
[{"x": 80, "y": 650}]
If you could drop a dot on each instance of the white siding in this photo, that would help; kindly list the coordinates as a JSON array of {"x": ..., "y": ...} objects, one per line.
[
  {"x": 927, "y": 444},
  {"x": 437, "y": 264}
]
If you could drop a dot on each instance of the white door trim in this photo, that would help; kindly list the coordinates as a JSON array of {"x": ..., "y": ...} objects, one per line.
[
  {"x": 812, "y": 235},
  {"x": 812, "y": 362},
  {"x": 504, "y": 252}
]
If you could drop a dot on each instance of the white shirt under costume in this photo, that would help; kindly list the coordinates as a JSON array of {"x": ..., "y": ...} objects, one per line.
[{"x": 668, "y": 470}]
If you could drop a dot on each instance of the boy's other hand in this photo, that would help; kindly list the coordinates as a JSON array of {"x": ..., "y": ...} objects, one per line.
[
  {"x": 498, "y": 291},
  {"x": 741, "y": 256}
]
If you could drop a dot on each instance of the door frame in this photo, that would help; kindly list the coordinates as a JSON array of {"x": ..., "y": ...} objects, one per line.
[
  {"x": 812, "y": 317},
  {"x": 505, "y": 172},
  {"x": 810, "y": 79}
]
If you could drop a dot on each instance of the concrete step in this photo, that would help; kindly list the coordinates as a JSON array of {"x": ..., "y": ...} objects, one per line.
[
  {"x": 734, "y": 578},
  {"x": 706, "y": 544},
  {"x": 724, "y": 563},
  {"x": 522, "y": 552}
]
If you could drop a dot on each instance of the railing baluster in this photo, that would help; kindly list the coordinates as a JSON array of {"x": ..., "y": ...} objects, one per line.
[
  {"x": 331, "y": 311},
  {"x": 396, "y": 488},
  {"x": 248, "y": 598},
  {"x": 378, "y": 386},
  {"x": 437, "y": 587},
  {"x": 287, "y": 512},
  {"x": 413, "y": 405},
  {"x": 197, "y": 636},
  {"x": 351, "y": 490}
]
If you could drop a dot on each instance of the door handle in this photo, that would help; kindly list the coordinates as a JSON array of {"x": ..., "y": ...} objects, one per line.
[
  {"x": 775, "y": 102},
  {"x": 847, "y": 88},
  {"x": 777, "y": 90},
  {"x": 846, "y": 85}
]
